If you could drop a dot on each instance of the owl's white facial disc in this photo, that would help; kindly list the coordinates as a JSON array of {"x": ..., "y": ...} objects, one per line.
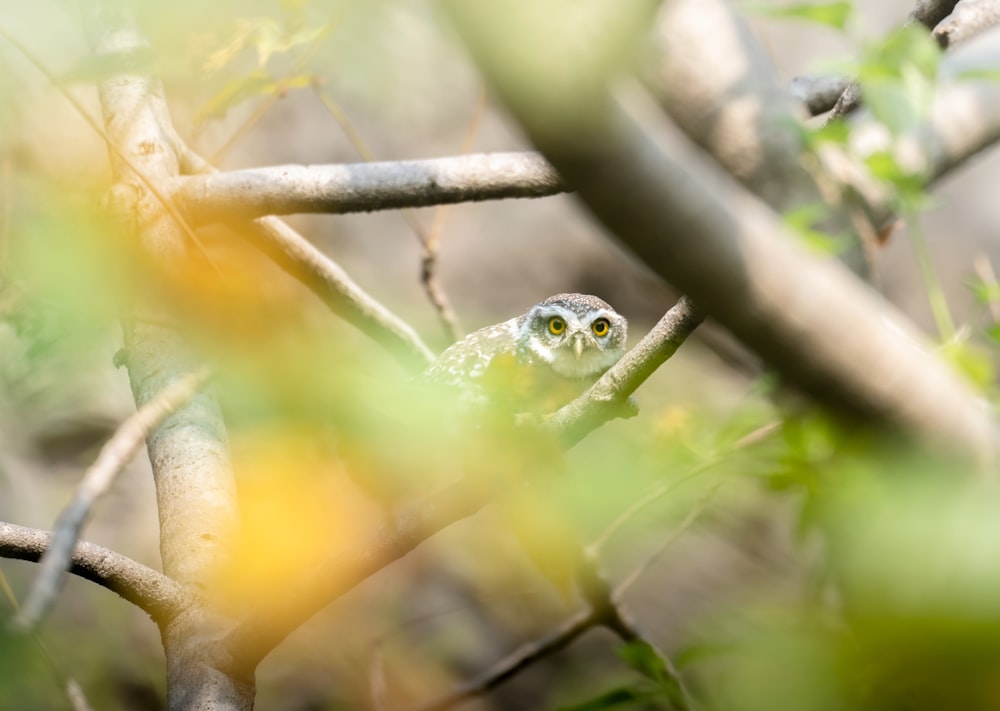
[{"x": 575, "y": 351}]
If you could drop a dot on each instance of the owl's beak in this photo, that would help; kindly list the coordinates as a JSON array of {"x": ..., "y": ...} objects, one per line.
[{"x": 578, "y": 345}]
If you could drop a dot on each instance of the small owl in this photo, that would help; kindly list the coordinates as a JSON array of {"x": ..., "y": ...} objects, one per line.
[{"x": 538, "y": 361}]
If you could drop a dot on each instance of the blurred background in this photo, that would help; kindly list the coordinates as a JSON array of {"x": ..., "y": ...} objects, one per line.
[{"x": 265, "y": 83}]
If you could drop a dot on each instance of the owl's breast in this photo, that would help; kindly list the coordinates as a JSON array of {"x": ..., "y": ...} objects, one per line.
[{"x": 524, "y": 384}]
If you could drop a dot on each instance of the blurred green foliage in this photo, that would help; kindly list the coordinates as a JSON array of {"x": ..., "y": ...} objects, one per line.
[{"x": 885, "y": 595}]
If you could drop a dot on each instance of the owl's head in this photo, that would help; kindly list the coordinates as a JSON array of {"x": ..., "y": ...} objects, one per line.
[{"x": 579, "y": 335}]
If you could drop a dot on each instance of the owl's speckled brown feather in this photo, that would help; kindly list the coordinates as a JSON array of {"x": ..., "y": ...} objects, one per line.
[{"x": 523, "y": 366}]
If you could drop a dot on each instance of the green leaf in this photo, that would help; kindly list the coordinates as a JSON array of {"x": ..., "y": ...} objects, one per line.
[
  {"x": 801, "y": 221},
  {"x": 615, "y": 698},
  {"x": 985, "y": 292},
  {"x": 255, "y": 84},
  {"x": 898, "y": 77},
  {"x": 909, "y": 186},
  {"x": 909, "y": 46},
  {"x": 972, "y": 360},
  {"x": 832, "y": 14},
  {"x": 647, "y": 661}
]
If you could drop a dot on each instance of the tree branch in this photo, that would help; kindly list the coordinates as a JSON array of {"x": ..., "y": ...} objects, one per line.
[
  {"x": 738, "y": 111},
  {"x": 927, "y": 13},
  {"x": 516, "y": 662},
  {"x": 364, "y": 187},
  {"x": 969, "y": 18},
  {"x": 930, "y": 12},
  {"x": 195, "y": 486},
  {"x": 114, "y": 455},
  {"x": 418, "y": 521},
  {"x": 696, "y": 227},
  {"x": 335, "y": 288},
  {"x": 608, "y": 397},
  {"x": 818, "y": 93},
  {"x": 604, "y": 609},
  {"x": 154, "y": 593}
]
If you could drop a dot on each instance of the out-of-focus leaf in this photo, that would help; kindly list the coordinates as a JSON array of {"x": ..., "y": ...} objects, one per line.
[
  {"x": 897, "y": 78},
  {"x": 971, "y": 360},
  {"x": 644, "y": 659},
  {"x": 620, "y": 697},
  {"x": 801, "y": 220},
  {"x": 909, "y": 186},
  {"x": 266, "y": 36},
  {"x": 255, "y": 84},
  {"x": 985, "y": 292},
  {"x": 833, "y": 14},
  {"x": 909, "y": 46},
  {"x": 272, "y": 42}
]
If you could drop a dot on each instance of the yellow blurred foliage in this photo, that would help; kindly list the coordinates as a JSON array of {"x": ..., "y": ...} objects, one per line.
[{"x": 298, "y": 509}]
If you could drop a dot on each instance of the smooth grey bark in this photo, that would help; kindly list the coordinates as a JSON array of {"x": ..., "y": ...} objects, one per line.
[
  {"x": 195, "y": 488},
  {"x": 363, "y": 187}
]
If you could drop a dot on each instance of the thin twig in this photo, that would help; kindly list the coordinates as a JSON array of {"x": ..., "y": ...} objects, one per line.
[
  {"x": 432, "y": 241},
  {"x": 681, "y": 528},
  {"x": 428, "y": 242},
  {"x": 515, "y": 662},
  {"x": 74, "y": 694},
  {"x": 377, "y": 687},
  {"x": 610, "y": 612},
  {"x": 113, "y": 457},
  {"x": 663, "y": 488},
  {"x": 335, "y": 288}
]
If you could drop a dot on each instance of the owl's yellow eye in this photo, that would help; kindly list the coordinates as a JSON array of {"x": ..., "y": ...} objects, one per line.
[
  {"x": 600, "y": 327},
  {"x": 556, "y": 325}
]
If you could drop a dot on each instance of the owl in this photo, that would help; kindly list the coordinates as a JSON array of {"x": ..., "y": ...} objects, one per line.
[{"x": 538, "y": 361}]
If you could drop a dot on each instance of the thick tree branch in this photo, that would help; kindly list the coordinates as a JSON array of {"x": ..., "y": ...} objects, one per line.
[
  {"x": 154, "y": 593},
  {"x": 195, "y": 487},
  {"x": 695, "y": 226},
  {"x": 364, "y": 187},
  {"x": 98, "y": 478},
  {"x": 718, "y": 84}
]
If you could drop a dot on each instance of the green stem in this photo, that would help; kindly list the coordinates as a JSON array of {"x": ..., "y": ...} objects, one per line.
[{"x": 935, "y": 293}]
